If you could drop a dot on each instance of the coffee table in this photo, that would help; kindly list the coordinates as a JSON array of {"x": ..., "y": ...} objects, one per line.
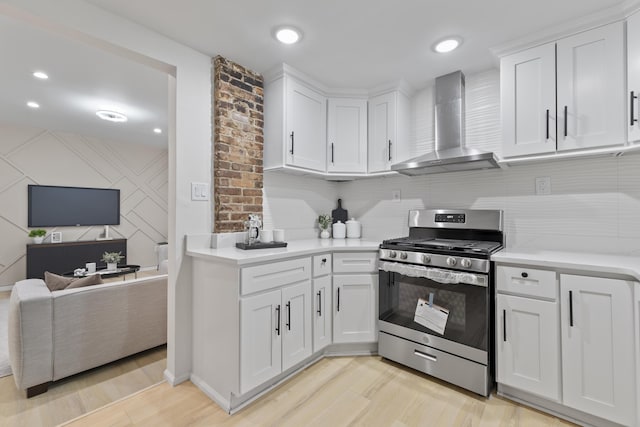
[{"x": 122, "y": 270}]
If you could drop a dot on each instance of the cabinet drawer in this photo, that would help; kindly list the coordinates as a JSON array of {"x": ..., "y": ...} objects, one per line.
[
  {"x": 527, "y": 282},
  {"x": 273, "y": 275},
  {"x": 321, "y": 265},
  {"x": 355, "y": 262}
]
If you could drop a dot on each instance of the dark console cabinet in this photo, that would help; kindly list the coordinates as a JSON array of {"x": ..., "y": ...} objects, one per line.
[{"x": 61, "y": 258}]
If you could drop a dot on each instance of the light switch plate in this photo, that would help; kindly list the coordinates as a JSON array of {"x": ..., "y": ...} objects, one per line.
[{"x": 199, "y": 191}]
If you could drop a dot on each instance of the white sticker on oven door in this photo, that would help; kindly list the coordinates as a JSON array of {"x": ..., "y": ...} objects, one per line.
[{"x": 433, "y": 317}]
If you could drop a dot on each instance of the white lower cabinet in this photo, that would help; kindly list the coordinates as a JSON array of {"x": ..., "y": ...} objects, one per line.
[
  {"x": 598, "y": 366},
  {"x": 322, "y": 321},
  {"x": 355, "y": 308},
  {"x": 576, "y": 348},
  {"x": 275, "y": 331},
  {"x": 527, "y": 332}
]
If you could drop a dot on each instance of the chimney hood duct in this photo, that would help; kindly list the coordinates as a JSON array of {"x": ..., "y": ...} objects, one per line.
[{"x": 450, "y": 153}]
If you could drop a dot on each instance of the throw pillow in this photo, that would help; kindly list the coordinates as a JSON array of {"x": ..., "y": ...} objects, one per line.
[
  {"x": 94, "y": 279},
  {"x": 55, "y": 282}
]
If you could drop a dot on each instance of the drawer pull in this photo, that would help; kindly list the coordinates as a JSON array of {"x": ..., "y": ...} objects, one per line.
[
  {"x": 525, "y": 274},
  {"x": 429, "y": 357},
  {"x": 324, "y": 260}
]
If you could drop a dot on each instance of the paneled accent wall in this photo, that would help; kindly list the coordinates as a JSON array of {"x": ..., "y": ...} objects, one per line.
[
  {"x": 37, "y": 156},
  {"x": 238, "y": 144}
]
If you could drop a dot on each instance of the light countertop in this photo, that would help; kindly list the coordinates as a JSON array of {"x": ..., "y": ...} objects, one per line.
[
  {"x": 294, "y": 248},
  {"x": 602, "y": 263}
]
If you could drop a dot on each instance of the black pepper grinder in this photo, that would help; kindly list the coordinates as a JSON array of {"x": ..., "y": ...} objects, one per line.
[{"x": 339, "y": 214}]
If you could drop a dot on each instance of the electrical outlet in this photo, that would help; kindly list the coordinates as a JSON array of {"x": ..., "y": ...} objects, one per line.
[
  {"x": 543, "y": 186},
  {"x": 396, "y": 195}
]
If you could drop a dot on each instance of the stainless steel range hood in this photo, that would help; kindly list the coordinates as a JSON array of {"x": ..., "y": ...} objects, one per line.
[{"x": 450, "y": 153}]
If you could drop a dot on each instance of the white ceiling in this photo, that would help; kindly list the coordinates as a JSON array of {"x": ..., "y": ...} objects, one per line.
[
  {"x": 82, "y": 79},
  {"x": 354, "y": 43},
  {"x": 357, "y": 44}
]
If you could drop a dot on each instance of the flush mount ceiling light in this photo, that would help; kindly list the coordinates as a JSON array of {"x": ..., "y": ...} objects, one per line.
[
  {"x": 157, "y": 130},
  {"x": 111, "y": 116},
  {"x": 40, "y": 75},
  {"x": 287, "y": 34},
  {"x": 32, "y": 104},
  {"x": 447, "y": 45}
]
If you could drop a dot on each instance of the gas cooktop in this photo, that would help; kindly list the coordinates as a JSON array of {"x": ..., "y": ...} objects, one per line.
[{"x": 456, "y": 245}]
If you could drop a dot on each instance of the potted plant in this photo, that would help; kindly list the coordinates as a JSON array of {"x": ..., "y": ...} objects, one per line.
[
  {"x": 112, "y": 259},
  {"x": 324, "y": 222},
  {"x": 37, "y": 235}
]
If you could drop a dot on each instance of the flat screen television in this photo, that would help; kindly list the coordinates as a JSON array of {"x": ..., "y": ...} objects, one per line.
[{"x": 54, "y": 206}]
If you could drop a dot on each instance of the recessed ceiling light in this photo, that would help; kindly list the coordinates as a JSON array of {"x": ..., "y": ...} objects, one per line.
[
  {"x": 40, "y": 75},
  {"x": 32, "y": 104},
  {"x": 111, "y": 116},
  {"x": 288, "y": 35},
  {"x": 447, "y": 45},
  {"x": 157, "y": 130}
]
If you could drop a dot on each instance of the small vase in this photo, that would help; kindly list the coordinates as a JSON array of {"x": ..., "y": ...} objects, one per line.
[
  {"x": 324, "y": 234},
  {"x": 112, "y": 266},
  {"x": 37, "y": 240}
]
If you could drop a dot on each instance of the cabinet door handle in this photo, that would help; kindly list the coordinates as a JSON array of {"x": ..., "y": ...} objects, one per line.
[
  {"x": 504, "y": 325},
  {"x": 338, "y": 308},
  {"x": 547, "y": 123},
  {"x": 332, "y": 153},
  {"x": 288, "y": 315},
  {"x": 278, "y": 321},
  {"x": 292, "y": 142},
  {"x": 566, "y": 122},
  {"x": 425, "y": 356},
  {"x": 570, "y": 308},
  {"x": 319, "y": 303},
  {"x": 631, "y": 105},
  {"x": 390, "y": 150}
]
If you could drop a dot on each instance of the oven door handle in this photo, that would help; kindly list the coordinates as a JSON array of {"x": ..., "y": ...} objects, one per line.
[{"x": 436, "y": 274}]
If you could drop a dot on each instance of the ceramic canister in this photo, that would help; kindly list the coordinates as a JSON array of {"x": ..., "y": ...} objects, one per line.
[
  {"x": 339, "y": 230},
  {"x": 353, "y": 229}
]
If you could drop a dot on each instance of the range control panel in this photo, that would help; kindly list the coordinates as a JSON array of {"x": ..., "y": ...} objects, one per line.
[{"x": 456, "y": 218}]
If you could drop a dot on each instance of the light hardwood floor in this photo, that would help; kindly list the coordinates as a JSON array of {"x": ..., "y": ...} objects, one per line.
[{"x": 341, "y": 391}]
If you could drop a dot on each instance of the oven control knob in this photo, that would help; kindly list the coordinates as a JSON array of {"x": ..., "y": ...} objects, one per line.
[
  {"x": 426, "y": 259},
  {"x": 403, "y": 255},
  {"x": 392, "y": 254},
  {"x": 451, "y": 261},
  {"x": 465, "y": 262}
]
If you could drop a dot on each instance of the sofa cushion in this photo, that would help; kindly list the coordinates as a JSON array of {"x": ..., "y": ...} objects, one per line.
[
  {"x": 56, "y": 282},
  {"x": 94, "y": 279}
]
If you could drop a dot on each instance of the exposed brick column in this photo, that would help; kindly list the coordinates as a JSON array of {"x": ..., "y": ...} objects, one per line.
[{"x": 237, "y": 145}]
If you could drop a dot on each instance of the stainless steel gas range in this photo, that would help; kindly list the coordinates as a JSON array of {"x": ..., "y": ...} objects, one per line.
[{"x": 436, "y": 295}]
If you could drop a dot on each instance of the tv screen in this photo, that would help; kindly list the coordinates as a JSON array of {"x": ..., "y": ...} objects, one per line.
[{"x": 53, "y": 206}]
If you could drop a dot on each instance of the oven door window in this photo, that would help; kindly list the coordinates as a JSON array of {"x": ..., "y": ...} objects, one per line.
[{"x": 468, "y": 307}]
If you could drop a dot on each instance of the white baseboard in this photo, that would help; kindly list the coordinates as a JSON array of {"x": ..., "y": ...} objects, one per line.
[
  {"x": 211, "y": 393},
  {"x": 7, "y": 288},
  {"x": 173, "y": 380}
]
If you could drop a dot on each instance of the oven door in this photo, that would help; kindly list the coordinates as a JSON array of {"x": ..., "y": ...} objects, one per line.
[{"x": 464, "y": 295}]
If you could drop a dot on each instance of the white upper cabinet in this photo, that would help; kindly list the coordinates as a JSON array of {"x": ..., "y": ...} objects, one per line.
[
  {"x": 295, "y": 126},
  {"x": 528, "y": 83},
  {"x": 306, "y": 127},
  {"x": 590, "y": 75},
  {"x": 633, "y": 77},
  {"x": 347, "y": 135},
  {"x": 566, "y": 95},
  {"x": 388, "y": 130}
]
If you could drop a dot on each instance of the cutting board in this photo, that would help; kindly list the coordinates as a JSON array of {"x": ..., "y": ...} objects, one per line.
[{"x": 339, "y": 214}]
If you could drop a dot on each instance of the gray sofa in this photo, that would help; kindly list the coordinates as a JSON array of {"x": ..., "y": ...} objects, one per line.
[{"x": 53, "y": 335}]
